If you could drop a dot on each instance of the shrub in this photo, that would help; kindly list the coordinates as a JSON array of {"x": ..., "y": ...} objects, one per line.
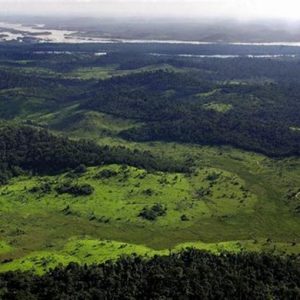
[
  {"x": 76, "y": 190},
  {"x": 184, "y": 218},
  {"x": 43, "y": 188},
  {"x": 80, "y": 169},
  {"x": 152, "y": 213},
  {"x": 106, "y": 173}
]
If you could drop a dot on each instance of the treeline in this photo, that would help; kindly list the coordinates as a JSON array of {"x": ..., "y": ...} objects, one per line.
[
  {"x": 190, "y": 274},
  {"x": 214, "y": 129},
  {"x": 39, "y": 151},
  {"x": 28, "y": 148}
]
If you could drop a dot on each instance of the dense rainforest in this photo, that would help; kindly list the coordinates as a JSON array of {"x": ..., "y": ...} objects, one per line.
[
  {"x": 187, "y": 275},
  {"x": 27, "y": 148},
  {"x": 179, "y": 116}
]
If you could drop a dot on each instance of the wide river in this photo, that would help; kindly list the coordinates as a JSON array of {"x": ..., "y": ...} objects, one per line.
[{"x": 12, "y": 31}]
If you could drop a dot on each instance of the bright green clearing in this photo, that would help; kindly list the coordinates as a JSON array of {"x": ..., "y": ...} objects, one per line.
[
  {"x": 110, "y": 71},
  {"x": 218, "y": 107},
  {"x": 89, "y": 251},
  {"x": 231, "y": 201}
]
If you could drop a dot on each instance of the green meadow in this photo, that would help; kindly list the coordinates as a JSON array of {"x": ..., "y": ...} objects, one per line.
[
  {"x": 232, "y": 200},
  {"x": 110, "y": 71}
]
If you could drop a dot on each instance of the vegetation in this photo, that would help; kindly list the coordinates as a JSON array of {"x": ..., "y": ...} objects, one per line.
[
  {"x": 151, "y": 214},
  {"x": 39, "y": 151},
  {"x": 131, "y": 152},
  {"x": 190, "y": 274},
  {"x": 259, "y": 96},
  {"x": 75, "y": 190}
]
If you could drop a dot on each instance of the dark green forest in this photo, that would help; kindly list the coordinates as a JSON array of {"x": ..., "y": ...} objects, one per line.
[
  {"x": 24, "y": 148},
  {"x": 187, "y": 275},
  {"x": 262, "y": 94}
]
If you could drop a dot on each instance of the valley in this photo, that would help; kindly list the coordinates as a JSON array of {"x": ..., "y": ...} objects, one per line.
[{"x": 190, "y": 154}]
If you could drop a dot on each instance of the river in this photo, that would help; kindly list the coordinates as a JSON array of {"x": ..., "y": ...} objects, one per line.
[{"x": 38, "y": 32}]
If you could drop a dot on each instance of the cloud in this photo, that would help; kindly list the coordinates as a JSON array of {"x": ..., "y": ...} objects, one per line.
[{"x": 241, "y": 9}]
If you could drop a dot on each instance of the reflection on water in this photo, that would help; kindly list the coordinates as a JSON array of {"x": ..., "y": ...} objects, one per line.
[
  {"x": 227, "y": 55},
  {"x": 39, "y": 33}
]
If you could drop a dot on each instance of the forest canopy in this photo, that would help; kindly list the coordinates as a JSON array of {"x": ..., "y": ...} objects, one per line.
[
  {"x": 191, "y": 274},
  {"x": 37, "y": 150}
]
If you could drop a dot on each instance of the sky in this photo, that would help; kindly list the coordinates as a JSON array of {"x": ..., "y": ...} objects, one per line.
[{"x": 288, "y": 10}]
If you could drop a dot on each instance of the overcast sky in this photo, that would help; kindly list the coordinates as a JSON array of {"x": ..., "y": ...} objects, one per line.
[{"x": 241, "y": 9}]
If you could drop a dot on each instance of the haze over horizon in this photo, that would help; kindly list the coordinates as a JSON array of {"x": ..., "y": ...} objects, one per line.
[{"x": 241, "y": 10}]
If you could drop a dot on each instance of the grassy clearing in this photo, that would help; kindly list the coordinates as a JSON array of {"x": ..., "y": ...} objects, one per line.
[
  {"x": 38, "y": 262},
  {"x": 246, "y": 245},
  {"x": 110, "y": 71},
  {"x": 86, "y": 251},
  {"x": 94, "y": 72},
  {"x": 245, "y": 200},
  {"x": 81, "y": 123},
  {"x": 208, "y": 94},
  {"x": 218, "y": 107},
  {"x": 121, "y": 197},
  {"x": 89, "y": 251},
  {"x": 4, "y": 247},
  {"x": 90, "y": 123}
]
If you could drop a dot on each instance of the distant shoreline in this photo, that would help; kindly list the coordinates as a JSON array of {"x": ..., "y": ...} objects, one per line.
[{"x": 41, "y": 34}]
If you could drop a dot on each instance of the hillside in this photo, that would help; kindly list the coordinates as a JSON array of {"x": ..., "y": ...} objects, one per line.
[{"x": 131, "y": 152}]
